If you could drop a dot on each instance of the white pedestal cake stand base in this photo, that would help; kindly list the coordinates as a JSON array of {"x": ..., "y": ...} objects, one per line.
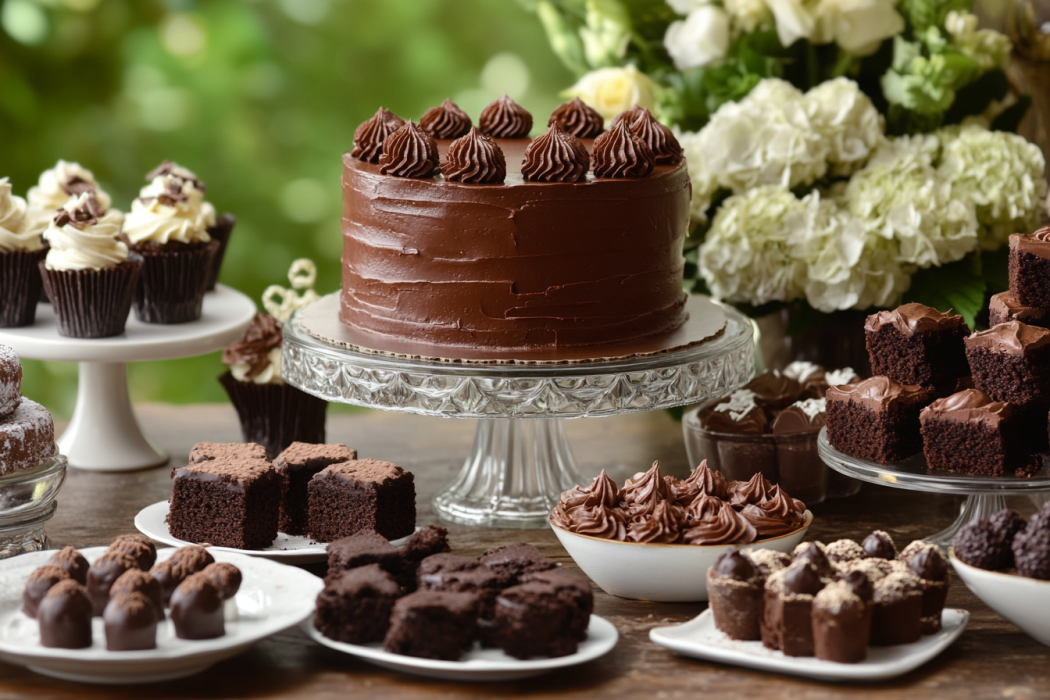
[
  {"x": 984, "y": 494},
  {"x": 521, "y": 460},
  {"x": 103, "y": 434}
]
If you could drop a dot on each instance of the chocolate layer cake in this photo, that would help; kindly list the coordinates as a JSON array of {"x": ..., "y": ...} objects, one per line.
[
  {"x": 360, "y": 495},
  {"x": 542, "y": 255},
  {"x": 1030, "y": 268},
  {"x": 296, "y": 466},
  {"x": 227, "y": 503},
  {"x": 877, "y": 419},
  {"x": 1004, "y": 307},
  {"x": 1011, "y": 362},
  {"x": 915, "y": 344}
]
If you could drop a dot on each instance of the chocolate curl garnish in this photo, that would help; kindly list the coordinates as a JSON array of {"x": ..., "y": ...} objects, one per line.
[
  {"x": 253, "y": 349},
  {"x": 77, "y": 186},
  {"x": 475, "y": 159},
  {"x": 446, "y": 121},
  {"x": 661, "y": 141},
  {"x": 577, "y": 118},
  {"x": 409, "y": 152},
  {"x": 555, "y": 157},
  {"x": 370, "y": 135},
  {"x": 173, "y": 170},
  {"x": 505, "y": 119},
  {"x": 83, "y": 216},
  {"x": 619, "y": 153},
  {"x": 631, "y": 116}
]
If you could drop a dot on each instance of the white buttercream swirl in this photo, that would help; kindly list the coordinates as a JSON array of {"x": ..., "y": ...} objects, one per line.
[
  {"x": 158, "y": 218},
  {"x": 17, "y": 231},
  {"x": 50, "y": 193},
  {"x": 270, "y": 375},
  {"x": 91, "y": 246}
]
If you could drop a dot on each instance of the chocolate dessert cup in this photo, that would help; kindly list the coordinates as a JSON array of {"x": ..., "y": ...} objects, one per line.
[
  {"x": 174, "y": 279},
  {"x": 92, "y": 303},
  {"x": 20, "y": 287},
  {"x": 276, "y": 415},
  {"x": 221, "y": 232}
]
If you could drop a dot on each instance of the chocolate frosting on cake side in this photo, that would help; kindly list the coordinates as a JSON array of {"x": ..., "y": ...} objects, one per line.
[
  {"x": 877, "y": 393},
  {"x": 1005, "y": 304},
  {"x": 1012, "y": 338},
  {"x": 910, "y": 319},
  {"x": 968, "y": 406},
  {"x": 1037, "y": 243}
]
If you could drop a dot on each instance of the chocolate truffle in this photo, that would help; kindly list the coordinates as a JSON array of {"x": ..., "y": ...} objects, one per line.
[
  {"x": 533, "y": 619},
  {"x": 356, "y": 604},
  {"x": 979, "y": 545},
  {"x": 968, "y": 433},
  {"x": 1004, "y": 307},
  {"x": 1030, "y": 268},
  {"x": 786, "y": 621},
  {"x": 898, "y": 610},
  {"x": 136, "y": 581},
  {"x": 841, "y": 551},
  {"x": 103, "y": 573},
  {"x": 929, "y": 566},
  {"x": 226, "y": 577},
  {"x": 841, "y": 623},
  {"x": 296, "y": 466},
  {"x": 1011, "y": 362},
  {"x": 877, "y": 419},
  {"x": 1006, "y": 524},
  {"x": 38, "y": 583},
  {"x": 916, "y": 344},
  {"x": 131, "y": 623},
  {"x": 360, "y": 495},
  {"x": 64, "y": 616},
  {"x": 73, "y": 563},
  {"x": 734, "y": 594},
  {"x": 138, "y": 546},
  {"x": 196, "y": 609},
  {"x": 432, "y": 625},
  {"x": 880, "y": 545},
  {"x": 185, "y": 562},
  {"x": 514, "y": 560},
  {"x": 1031, "y": 548}
]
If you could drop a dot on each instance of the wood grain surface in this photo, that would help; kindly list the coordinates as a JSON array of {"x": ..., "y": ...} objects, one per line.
[{"x": 992, "y": 659}]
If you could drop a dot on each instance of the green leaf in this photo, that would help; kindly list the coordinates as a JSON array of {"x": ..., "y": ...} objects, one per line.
[
  {"x": 959, "y": 285},
  {"x": 975, "y": 97},
  {"x": 1011, "y": 117},
  {"x": 995, "y": 270}
]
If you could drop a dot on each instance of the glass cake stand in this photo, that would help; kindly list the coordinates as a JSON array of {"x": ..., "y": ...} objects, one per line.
[
  {"x": 985, "y": 495},
  {"x": 521, "y": 460}
]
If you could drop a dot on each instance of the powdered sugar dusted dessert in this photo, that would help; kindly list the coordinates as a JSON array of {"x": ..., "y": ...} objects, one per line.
[{"x": 10, "y": 381}]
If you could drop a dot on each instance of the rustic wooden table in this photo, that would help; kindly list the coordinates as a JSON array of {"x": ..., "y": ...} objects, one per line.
[{"x": 993, "y": 658}]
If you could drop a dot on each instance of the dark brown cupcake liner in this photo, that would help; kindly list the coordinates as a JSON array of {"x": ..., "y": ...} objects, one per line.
[
  {"x": 276, "y": 415},
  {"x": 174, "y": 277},
  {"x": 92, "y": 303},
  {"x": 20, "y": 286},
  {"x": 221, "y": 232}
]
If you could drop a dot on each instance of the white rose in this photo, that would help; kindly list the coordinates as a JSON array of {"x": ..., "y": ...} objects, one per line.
[
  {"x": 793, "y": 20},
  {"x": 858, "y": 26},
  {"x": 614, "y": 90},
  {"x": 699, "y": 40}
]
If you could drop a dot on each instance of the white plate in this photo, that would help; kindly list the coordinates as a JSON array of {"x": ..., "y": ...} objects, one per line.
[
  {"x": 700, "y": 639},
  {"x": 478, "y": 664},
  {"x": 152, "y": 521},
  {"x": 272, "y": 598}
]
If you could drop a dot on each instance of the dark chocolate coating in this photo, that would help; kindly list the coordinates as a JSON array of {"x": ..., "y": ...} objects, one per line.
[
  {"x": 878, "y": 545},
  {"x": 802, "y": 579},
  {"x": 38, "y": 584},
  {"x": 185, "y": 562},
  {"x": 226, "y": 576},
  {"x": 65, "y": 617},
  {"x": 138, "y": 546},
  {"x": 196, "y": 609},
  {"x": 928, "y": 564},
  {"x": 734, "y": 564},
  {"x": 861, "y": 585},
  {"x": 978, "y": 544},
  {"x": 135, "y": 581},
  {"x": 131, "y": 623},
  {"x": 104, "y": 573},
  {"x": 73, "y": 562},
  {"x": 813, "y": 555}
]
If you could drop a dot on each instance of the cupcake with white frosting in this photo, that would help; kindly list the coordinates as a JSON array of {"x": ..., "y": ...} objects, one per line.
[
  {"x": 56, "y": 186},
  {"x": 168, "y": 226},
  {"x": 21, "y": 250},
  {"x": 88, "y": 272}
]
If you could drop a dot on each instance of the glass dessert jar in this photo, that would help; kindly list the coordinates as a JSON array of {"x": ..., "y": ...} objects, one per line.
[{"x": 27, "y": 501}]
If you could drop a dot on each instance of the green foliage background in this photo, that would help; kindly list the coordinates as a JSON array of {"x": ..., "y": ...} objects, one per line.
[{"x": 259, "y": 98}]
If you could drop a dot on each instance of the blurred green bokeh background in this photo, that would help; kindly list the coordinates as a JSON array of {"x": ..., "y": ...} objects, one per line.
[{"x": 260, "y": 99}]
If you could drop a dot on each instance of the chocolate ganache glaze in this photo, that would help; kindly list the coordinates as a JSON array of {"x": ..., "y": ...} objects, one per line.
[
  {"x": 1011, "y": 338},
  {"x": 913, "y": 318},
  {"x": 1037, "y": 243},
  {"x": 619, "y": 153},
  {"x": 505, "y": 119},
  {"x": 475, "y": 159},
  {"x": 577, "y": 118},
  {"x": 659, "y": 138},
  {"x": 561, "y": 260},
  {"x": 446, "y": 121},
  {"x": 968, "y": 406}
]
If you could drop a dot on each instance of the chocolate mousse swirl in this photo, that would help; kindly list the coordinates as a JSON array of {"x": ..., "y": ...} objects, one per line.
[
  {"x": 370, "y": 135},
  {"x": 446, "y": 121},
  {"x": 659, "y": 138},
  {"x": 712, "y": 521},
  {"x": 602, "y": 491},
  {"x": 599, "y": 521},
  {"x": 555, "y": 157},
  {"x": 913, "y": 318},
  {"x": 742, "y": 493},
  {"x": 643, "y": 491},
  {"x": 475, "y": 159},
  {"x": 577, "y": 118},
  {"x": 630, "y": 116},
  {"x": 409, "y": 152},
  {"x": 776, "y": 515},
  {"x": 619, "y": 153},
  {"x": 662, "y": 525},
  {"x": 704, "y": 481},
  {"x": 504, "y": 118},
  {"x": 253, "y": 349}
]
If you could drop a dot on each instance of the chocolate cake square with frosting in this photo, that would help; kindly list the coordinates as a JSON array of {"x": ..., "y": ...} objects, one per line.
[
  {"x": 877, "y": 419},
  {"x": 207, "y": 451},
  {"x": 916, "y": 344},
  {"x": 969, "y": 433},
  {"x": 1030, "y": 268},
  {"x": 532, "y": 619},
  {"x": 363, "y": 494},
  {"x": 230, "y": 502},
  {"x": 1011, "y": 362},
  {"x": 296, "y": 466},
  {"x": 1004, "y": 307}
]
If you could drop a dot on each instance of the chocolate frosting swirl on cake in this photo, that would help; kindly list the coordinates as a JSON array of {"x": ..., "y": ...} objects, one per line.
[
  {"x": 446, "y": 121},
  {"x": 630, "y": 116},
  {"x": 504, "y": 118},
  {"x": 877, "y": 393},
  {"x": 660, "y": 140},
  {"x": 755, "y": 490},
  {"x": 370, "y": 135},
  {"x": 619, "y": 153},
  {"x": 475, "y": 159},
  {"x": 703, "y": 481},
  {"x": 602, "y": 491},
  {"x": 556, "y": 156},
  {"x": 1011, "y": 338},
  {"x": 776, "y": 515},
  {"x": 913, "y": 318},
  {"x": 659, "y": 526},
  {"x": 578, "y": 119},
  {"x": 1005, "y": 306},
  {"x": 262, "y": 336},
  {"x": 713, "y": 521},
  {"x": 1037, "y": 243},
  {"x": 643, "y": 491},
  {"x": 409, "y": 152},
  {"x": 597, "y": 521},
  {"x": 968, "y": 406}
]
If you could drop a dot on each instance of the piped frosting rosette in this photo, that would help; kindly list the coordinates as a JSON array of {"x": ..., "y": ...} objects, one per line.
[
  {"x": 56, "y": 186},
  {"x": 18, "y": 232},
  {"x": 170, "y": 209},
  {"x": 83, "y": 236}
]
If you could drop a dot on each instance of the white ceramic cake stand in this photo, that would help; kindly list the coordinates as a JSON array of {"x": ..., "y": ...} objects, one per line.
[
  {"x": 103, "y": 434},
  {"x": 521, "y": 460},
  {"x": 984, "y": 494}
]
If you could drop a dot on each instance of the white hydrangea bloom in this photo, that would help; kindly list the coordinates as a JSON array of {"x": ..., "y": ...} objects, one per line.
[
  {"x": 684, "y": 7},
  {"x": 704, "y": 183},
  {"x": 699, "y": 40},
  {"x": 747, "y": 15},
  {"x": 991, "y": 49},
  {"x": 747, "y": 256},
  {"x": 848, "y": 121},
  {"x": 1001, "y": 174}
]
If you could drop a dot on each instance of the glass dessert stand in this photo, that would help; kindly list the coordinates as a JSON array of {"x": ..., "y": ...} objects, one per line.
[
  {"x": 521, "y": 460},
  {"x": 27, "y": 501},
  {"x": 103, "y": 434},
  {"x": 985, "y": 495}
]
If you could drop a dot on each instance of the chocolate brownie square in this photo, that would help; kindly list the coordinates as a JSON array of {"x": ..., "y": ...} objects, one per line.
[
  {"x": 447, "y": 572},
  {"x": 969, "y": 433},
  {"x": 1011, "y": 362},
  {"x": 1004, "y": 307},
  {"x": 425, "y": 542},
  {"x": 209, "y": 451},
  {"x": 226, "y": 503},
  {"x": 296, "y": 466},
  {"x": 364, "y": 494},
  {"x": 877, "y": 419},
  {"x": 534, "y": 620},
  {"x": 915, "y": 344},
  {"x": 575, "y": 590},
  {"x": 433, "y": 625},
  {"x": 364, "y": 548},
  {"x": 1030, "y": 268},
  {"x": 355, "y": 605},
  {"x": 513, "y": 560}
]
